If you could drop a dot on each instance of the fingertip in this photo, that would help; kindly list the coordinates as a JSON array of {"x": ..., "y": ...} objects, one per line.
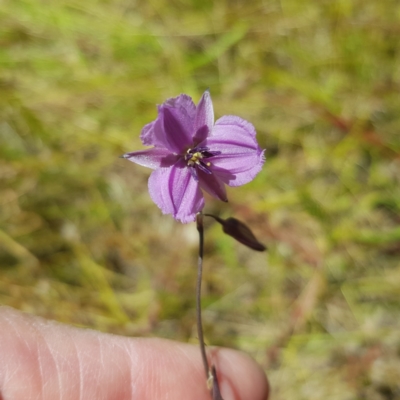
[{"x": 239, "y": 376}]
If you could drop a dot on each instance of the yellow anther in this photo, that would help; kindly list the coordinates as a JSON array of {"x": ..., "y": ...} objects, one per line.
[{"x": 195, "y": 158}]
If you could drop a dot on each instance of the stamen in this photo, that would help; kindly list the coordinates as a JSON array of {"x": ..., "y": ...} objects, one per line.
[
  {"x": 201, "y": 149},
  {"x": 193, "y": 172},
  {"x": 203, "y": 168},
  {"x": 194, "y": 159},
  {"x": 208, "y": 154}
]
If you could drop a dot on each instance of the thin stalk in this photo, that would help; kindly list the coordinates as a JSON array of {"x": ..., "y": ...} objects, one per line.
[{"x": 200, "y": 229}]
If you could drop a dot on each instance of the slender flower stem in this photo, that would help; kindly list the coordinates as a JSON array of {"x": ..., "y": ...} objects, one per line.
[
  {"x": 211, "y": 375},
  {"x": 200, "y": 229}
]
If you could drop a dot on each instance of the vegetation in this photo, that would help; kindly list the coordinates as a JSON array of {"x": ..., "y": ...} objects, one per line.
[{"x": 82, "y": 243}]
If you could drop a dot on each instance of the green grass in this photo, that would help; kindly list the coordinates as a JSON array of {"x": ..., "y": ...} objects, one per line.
[{"x": 81, "y": 241}]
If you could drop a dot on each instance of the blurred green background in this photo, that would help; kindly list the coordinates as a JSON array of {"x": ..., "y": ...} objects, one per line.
[{"x": 82, "y": 243}]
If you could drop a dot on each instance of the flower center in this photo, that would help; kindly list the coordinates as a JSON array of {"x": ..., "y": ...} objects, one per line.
[{"x": 194, "y": 160}]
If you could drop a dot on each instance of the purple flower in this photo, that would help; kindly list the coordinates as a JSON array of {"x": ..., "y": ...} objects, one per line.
[{"x": 190, "y": 154}]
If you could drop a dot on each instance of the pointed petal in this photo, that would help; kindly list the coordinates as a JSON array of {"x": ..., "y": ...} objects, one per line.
[
  {"x": 152, "y": 158},
  {"x": 212, "y": 185},
  {"x": 241, "y": 157},
  {"x": 204, "y": 117},
  {"x": 175, "y": 192}
]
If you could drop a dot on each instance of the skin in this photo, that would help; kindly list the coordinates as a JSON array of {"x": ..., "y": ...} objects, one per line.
[{"x": 43, "y": 359}]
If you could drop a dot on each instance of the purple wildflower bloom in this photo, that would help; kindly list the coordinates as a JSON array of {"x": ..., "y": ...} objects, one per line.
[{"x": 190, "y": 153}]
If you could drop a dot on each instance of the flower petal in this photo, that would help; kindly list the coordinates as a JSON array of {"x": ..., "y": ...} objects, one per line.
[
  {"x": 154, "y": 134},
  {"x": 241, "y": 157},
  {"x": 212, "y": 185},
  {"x": 175, "y": 192},
  {"x": 152, "y": 158},
  {"x": 147, "y": 134},
  {"x": 173, "y": 129},
  {"x": 204, "y": 117},
  {"x": 183, "y": 101}
]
